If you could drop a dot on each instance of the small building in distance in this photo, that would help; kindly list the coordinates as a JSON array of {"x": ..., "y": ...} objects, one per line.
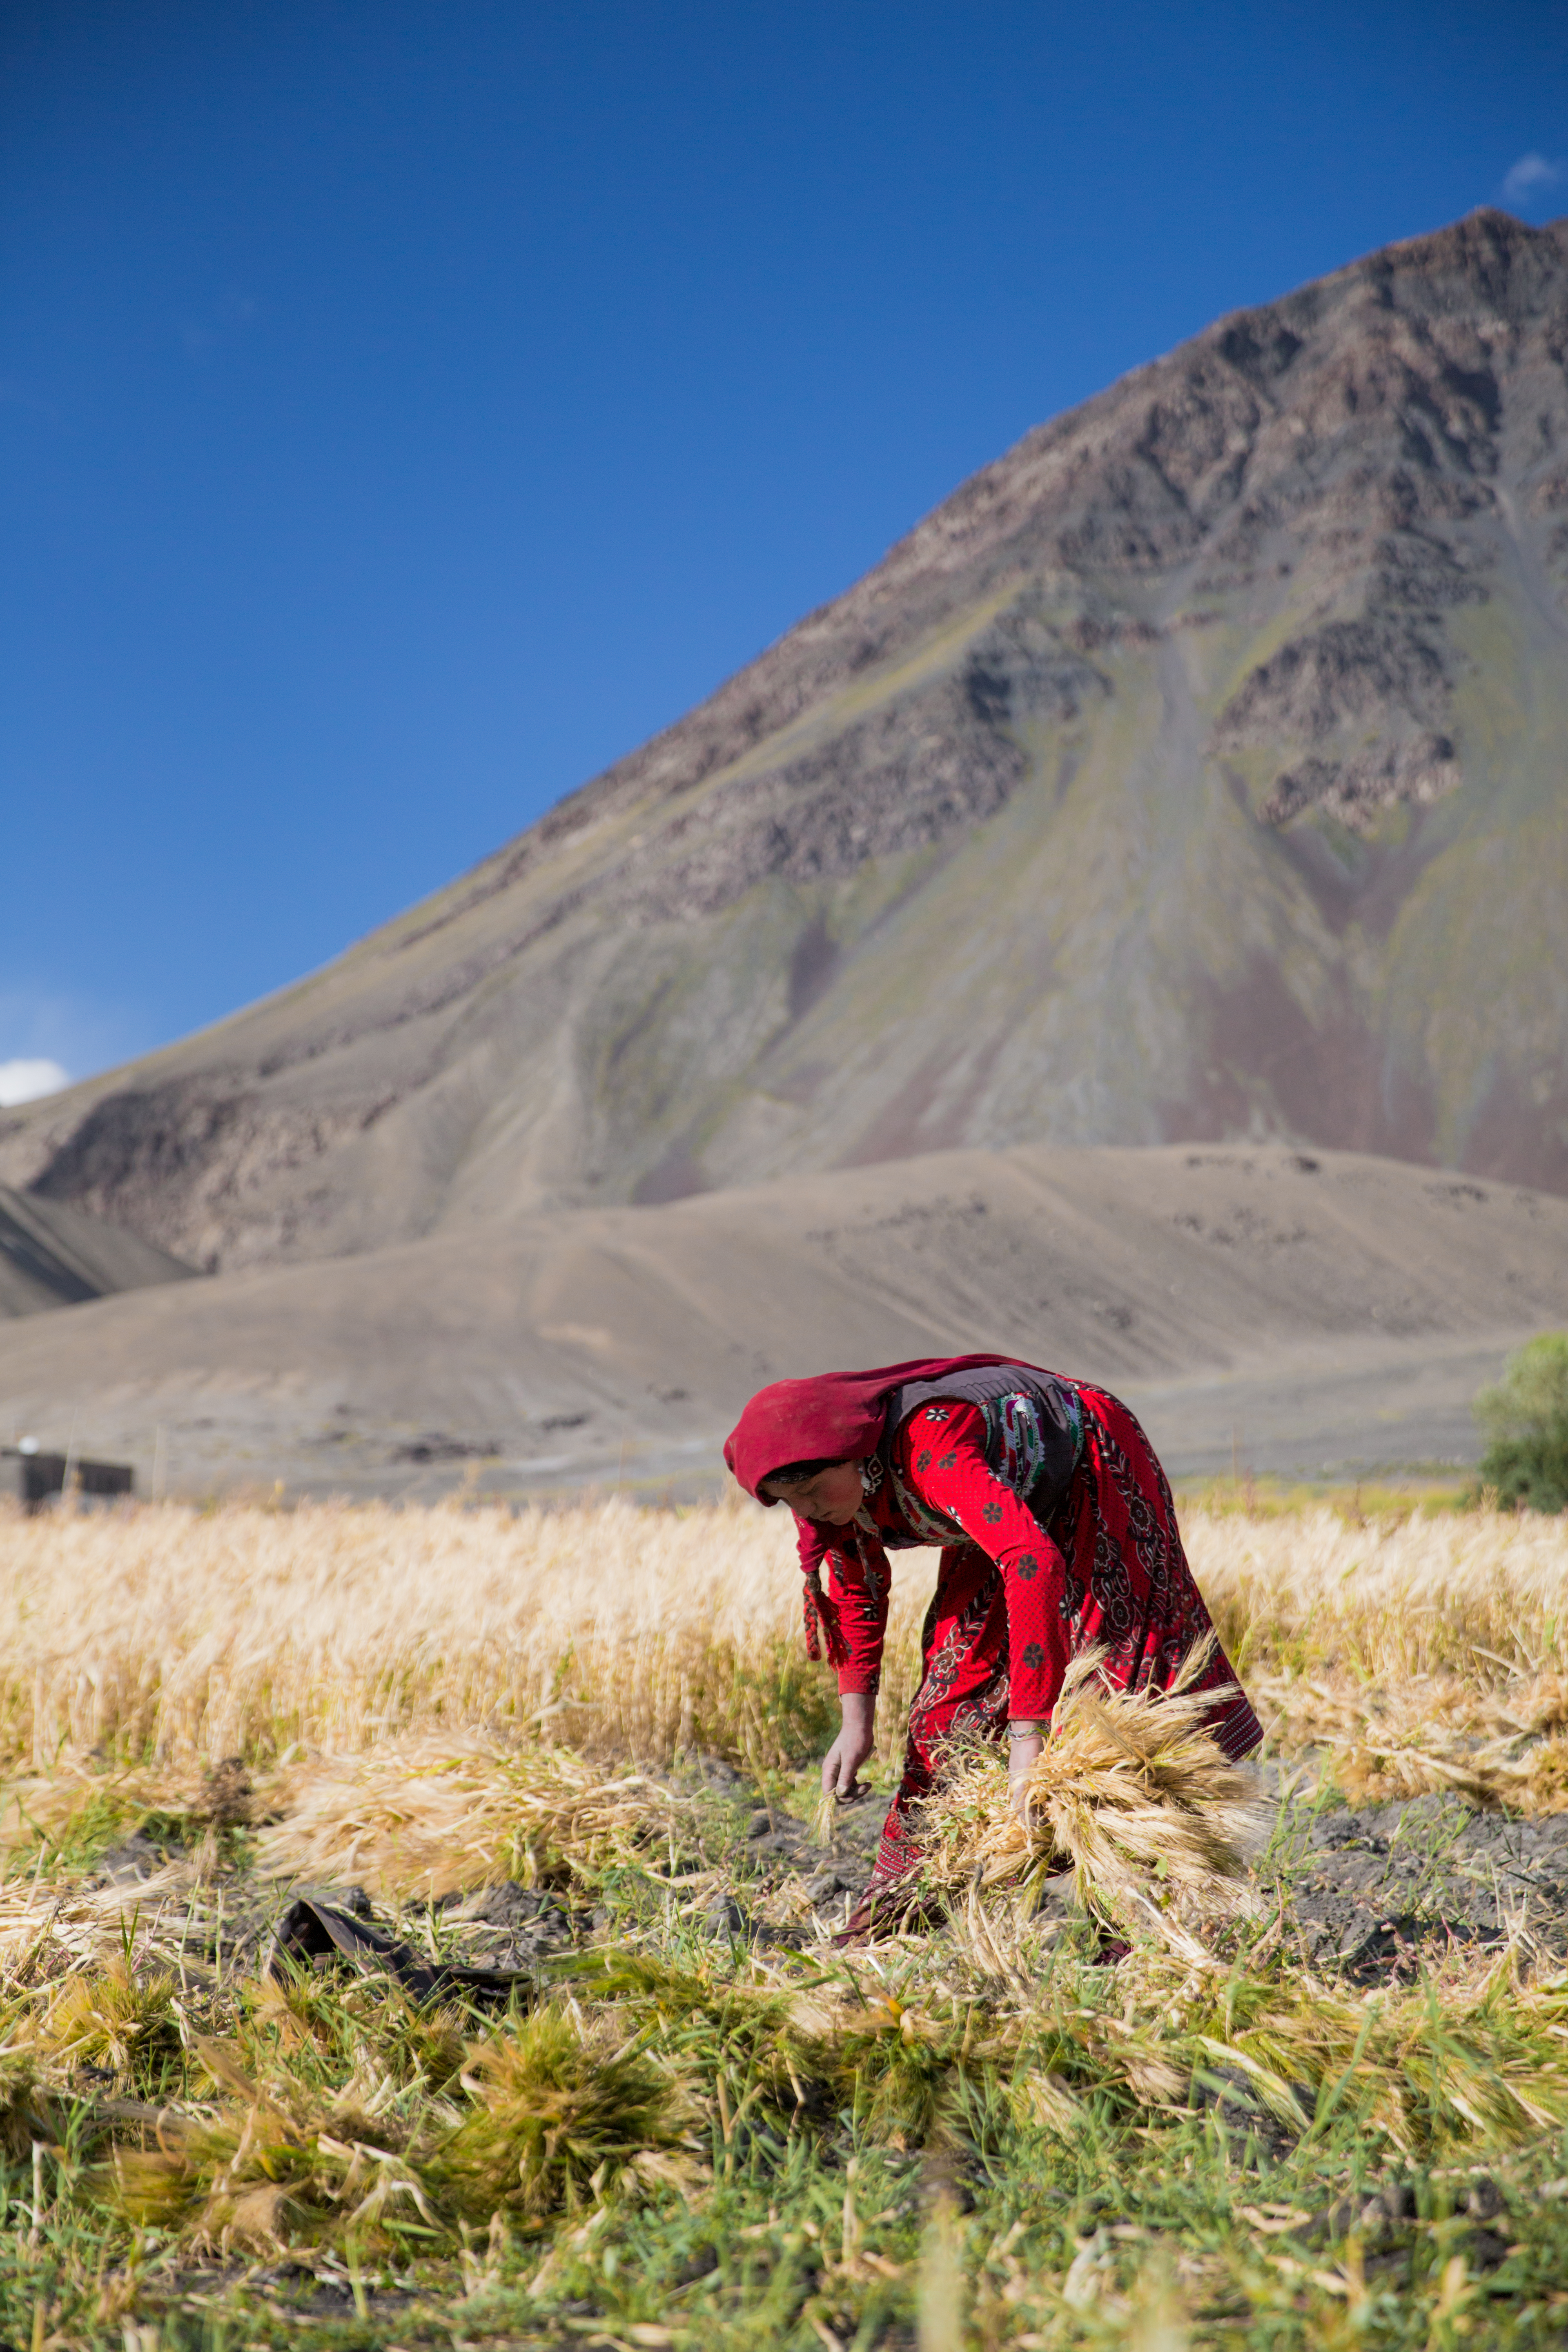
[{"x": 38, "y": 1477}]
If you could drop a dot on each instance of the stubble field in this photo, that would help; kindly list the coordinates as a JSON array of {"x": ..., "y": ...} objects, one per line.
[{"x": 573, "y": 1750}]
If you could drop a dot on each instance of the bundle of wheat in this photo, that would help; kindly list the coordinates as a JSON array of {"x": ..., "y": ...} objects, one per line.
[
  {"x": 1504, "y": 1775},
  {"x": 1129, "y": 1788},
  {"x": 71, "y": 1814},
  {"x": 428, "y": 1815}
]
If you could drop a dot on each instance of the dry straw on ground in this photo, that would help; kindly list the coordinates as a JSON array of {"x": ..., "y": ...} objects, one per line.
[
  {"x": 425, "y": 1815},
  {"x": 45, "y": 1928}
]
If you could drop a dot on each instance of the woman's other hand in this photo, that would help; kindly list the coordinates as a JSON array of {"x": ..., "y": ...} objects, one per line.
[
  {"x": 854, "y": 1744},
  {"x": 1022, "y": 1751}
]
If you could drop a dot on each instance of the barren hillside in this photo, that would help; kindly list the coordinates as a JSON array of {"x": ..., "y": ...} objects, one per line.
[
  {"x": 1278, "y": 1308},
  {"x": 1197, "y": 771},
  {"x": 52, "y": 1255}
]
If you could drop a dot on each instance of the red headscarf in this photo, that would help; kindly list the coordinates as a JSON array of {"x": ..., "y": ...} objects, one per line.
[{"x": 833, "y": 1418}]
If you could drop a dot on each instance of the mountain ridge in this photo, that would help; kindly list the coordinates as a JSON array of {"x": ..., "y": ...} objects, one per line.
[
  {"x": 1194, "y": 771},
  {"x": 53, "y": 1256}
]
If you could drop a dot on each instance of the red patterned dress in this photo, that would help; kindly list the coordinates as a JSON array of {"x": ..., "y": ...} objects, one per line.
[{"x": 1015, "y": 1599}]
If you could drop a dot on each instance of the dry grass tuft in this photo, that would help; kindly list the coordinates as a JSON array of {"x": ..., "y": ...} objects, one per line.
[
  {"x": 1129, "y": 1788},
  {"x": 426, "y": 1816},
  {"x": 107, "y": 2018},
  {"x": 564, "y": 2115}
]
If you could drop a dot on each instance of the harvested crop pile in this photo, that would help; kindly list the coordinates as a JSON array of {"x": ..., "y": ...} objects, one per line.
[
  {"x": 428, "y": 1815},
  {"x": 1130, "y": 1789},
  {"x": 563, "y": 2111},
  {"x": 1500, "y": 1744}
]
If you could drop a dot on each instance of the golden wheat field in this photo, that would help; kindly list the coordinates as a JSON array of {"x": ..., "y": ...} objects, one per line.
[
  {"x": 1417, "y": 1646},
  {"x": 435, "y": 1697}
]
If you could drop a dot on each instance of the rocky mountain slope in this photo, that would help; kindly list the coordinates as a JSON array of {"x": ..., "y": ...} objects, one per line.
[
  {"x": 1197, "y": 771},
  {"x": 52, "y": 1255}
]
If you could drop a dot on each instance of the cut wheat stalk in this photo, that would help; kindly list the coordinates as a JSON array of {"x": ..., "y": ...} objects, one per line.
[
  {"x": 429, "y": 1815},
  {"x": 45, "y": 1928},
  {"x": 1129, "y": 1789}
]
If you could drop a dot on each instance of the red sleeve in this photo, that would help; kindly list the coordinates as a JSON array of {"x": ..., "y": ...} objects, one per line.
[
  {"x": 942, "y": 1455},
  {"x": 851, "y": 1604}
]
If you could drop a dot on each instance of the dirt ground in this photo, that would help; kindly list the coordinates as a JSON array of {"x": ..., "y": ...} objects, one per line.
[{"x": 1370, "y": 1893}]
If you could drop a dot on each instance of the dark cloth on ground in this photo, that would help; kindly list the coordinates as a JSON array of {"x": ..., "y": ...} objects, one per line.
[{"x": 311, "y": 1931}]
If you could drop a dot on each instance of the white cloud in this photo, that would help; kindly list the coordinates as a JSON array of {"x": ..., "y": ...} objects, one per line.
[
  {"x": 1532, "y": 176},
  {"x": 25, "y": 1081}
]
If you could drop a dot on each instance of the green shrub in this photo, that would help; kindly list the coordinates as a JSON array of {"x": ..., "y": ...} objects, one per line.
[{"x": 1525, "y": 1420}]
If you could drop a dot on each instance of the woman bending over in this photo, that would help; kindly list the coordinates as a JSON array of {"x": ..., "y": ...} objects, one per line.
[{"x": 1057, "y": 1533}]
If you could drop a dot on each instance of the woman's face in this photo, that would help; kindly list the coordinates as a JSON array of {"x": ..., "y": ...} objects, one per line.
[{"x": 833, "y": 1496}]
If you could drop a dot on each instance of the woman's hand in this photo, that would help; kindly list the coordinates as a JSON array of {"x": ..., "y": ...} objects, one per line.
[
  {"x": 853, "y": 1745},
  {"x": 1021, "y": 1754}
]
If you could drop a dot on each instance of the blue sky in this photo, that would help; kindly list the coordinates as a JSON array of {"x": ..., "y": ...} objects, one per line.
[{"x": 408, "y": 405}]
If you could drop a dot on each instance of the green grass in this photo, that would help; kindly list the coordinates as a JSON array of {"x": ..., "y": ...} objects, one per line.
[
  {"x": 675, "y": 2140},
  {"x": 1525, "y": 1417}
]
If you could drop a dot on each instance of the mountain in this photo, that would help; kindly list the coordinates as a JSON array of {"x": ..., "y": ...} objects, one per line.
[
  {"x": 1195, "y": 771},
  {"x": 51, "y": 1256}
]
